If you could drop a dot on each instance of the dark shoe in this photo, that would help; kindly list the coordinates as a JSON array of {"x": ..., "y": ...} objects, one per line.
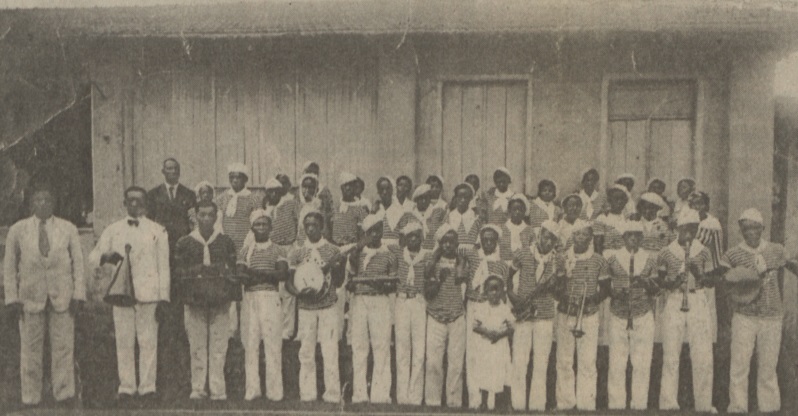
[
  {"x": 148, "y": 400},
  {"x": 124, "y": 401},
  {"x": 66, "y": 403}
]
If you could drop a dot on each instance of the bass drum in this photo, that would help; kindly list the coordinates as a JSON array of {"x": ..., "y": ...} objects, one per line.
[{"x": 309, "y": 275}]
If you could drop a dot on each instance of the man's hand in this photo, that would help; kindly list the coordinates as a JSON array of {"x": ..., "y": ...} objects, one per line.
[
  {"x": 307, "y": 293},
  {"x": 160, "y": 311},
  {"x": 111, "y": 257},
  {"x": 75, "y": 307},
  {"x": 15, "y": 312}
]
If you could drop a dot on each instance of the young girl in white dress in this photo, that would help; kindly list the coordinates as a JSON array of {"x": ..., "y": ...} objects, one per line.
[{"x": 493, "y": 321}]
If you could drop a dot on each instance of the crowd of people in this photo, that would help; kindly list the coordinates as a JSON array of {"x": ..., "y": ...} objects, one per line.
[{"x": 486, "y": 281}]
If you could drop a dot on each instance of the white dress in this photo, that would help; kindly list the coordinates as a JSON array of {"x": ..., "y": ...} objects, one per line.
[{"x": 493, "y": 363}]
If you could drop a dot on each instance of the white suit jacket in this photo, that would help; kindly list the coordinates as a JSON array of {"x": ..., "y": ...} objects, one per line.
[
  {"x": 31, "y": 278},
  {"x": 149, "y": 256}
]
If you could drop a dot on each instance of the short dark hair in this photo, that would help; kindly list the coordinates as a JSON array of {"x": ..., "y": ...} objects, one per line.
[
  {"x": 135, "y": 188},
  {"x": 591, "y": 171},
  {"x": 617, "y": 191},
  {"x": 701, "y": 196},
  {"x": 499, "y": 173},
  {"x": 435, "y": 178},
  {"x": 315, "y": 214},
  {"x": 488, "y": 229},
  {"x": 494, "y": 277},
  {"x": 546, "y": 182},
  {"x": 170, "y": 159},
  {"x": 206, "y": 204},
  {"x": 404, "y": 178},
  {"x": 464, "y": 186}
]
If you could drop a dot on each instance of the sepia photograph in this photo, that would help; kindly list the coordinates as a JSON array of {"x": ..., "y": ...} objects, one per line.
[{"x": 389, "y": 207}]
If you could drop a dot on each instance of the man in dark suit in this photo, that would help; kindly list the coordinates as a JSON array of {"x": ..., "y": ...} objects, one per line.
[{"x": 169, "y": 204}]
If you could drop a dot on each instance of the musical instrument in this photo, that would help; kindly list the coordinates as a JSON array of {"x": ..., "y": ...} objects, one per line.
[
  {"x": 744, "y": 285},
  {"x": 577, "y": 330},
  {"x": 310, "y": 275},
  {"x": 630, "y": 325},
  {"x": 685, "y": 302},
  {"x": 214, "y": 286},
  {"x": 121, "y": 292}
]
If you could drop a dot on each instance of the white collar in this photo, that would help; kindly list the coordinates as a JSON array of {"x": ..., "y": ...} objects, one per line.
[
  {"x": 678, "y": 250},
  {"x": 167, "y": 185},
  {"x": 762, "y": 245},
  {"x": 344, "y": 205},
  {"x": 467, "y": 219},
  {"x": 516, "y": 227},
  {"x": 547, "y": 207},
  {"x": 586, "y": 197},
  {"x": 623, "y": 256}
]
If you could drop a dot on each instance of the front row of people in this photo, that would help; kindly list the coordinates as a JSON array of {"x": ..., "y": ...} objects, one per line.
[{"x": 468, "y": 304}]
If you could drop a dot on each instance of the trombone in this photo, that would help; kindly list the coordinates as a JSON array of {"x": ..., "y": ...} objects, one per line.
[{"x": 577, "y": 330}]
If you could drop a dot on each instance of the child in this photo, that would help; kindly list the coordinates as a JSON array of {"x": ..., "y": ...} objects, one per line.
[
  {"x": 404, "y": 188},
  {"x": 631, "y": 322},
  {"x": 318, "y": 316},
  {"x": 497, "y": 198},
  {"x": 516, "y": 234},
  {"x": 445, "y": 275},
  {"x": 682, "y": 268},
  {"x": 360, "y": 186},
  {"x": 534, "y": 270},
  {"x": 593, "y": 201},
  {"x": 436, "y": 197},
  {"x": 656, "y": 233},
  {"x": 758, "y": 323},
  {"x": 265, "y": 267},
  {"x": 309, "y": 201},
  {"x": 283, "y": 210},
  {"x": 394, "y": 215},
  {"x": 478, "y": 203},
  {"x": 684, "y": 188},
  {"x": 205, "y": 192},
  {"x": 429, "y": 218},
  {"x": 410, "y": 315},
  {"x": 572, "y": 208},
  {"x": 585, "y": 286},
  {"x": 462, "y": 218},
  {"x": 607, "y": 226},
  {"x": 543, "y": 207},
  {"x": 627, "y": 181},
  {"x": 657, "y": 186},
  {"x": 493, "y": 322},
  {"x": 371, "y": 313},
  {"x": 484, "y": 262},
  {"x": 323, "y": 192}
]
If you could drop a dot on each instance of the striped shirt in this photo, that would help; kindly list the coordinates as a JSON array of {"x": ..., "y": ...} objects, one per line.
[
  {"x": 526, "y": 264},
  {"x": 656, "y": 235},
  {"x": 263, "y": 259},
  {"x": 237, "y": 226},
  {"x": 506, "y": 249},
  {"x": 284, "y": 221},
  {"x": 537, "y": 215},
  {"x": 346, "y": 225},
  {"x": 305, "y": 207},
  {"x": 498, "y": 268},
  {"x": 447, "y": 305},
  {"x": 597, "y": 200},
  {"x": 769, "y": 303},
  {"x": 433, "y": 221},
  {"x": 301, "y": 254},
  {"x": 565, "y": 236},
  {"x": 583, "y": 281},
  {"x": 470, "y": 236},
  {"x": 496, "y": 215},
  {"x": 672, "y": 263},
  {"x": 382, "y": 264},
  {"x": 416, "y": 287},
  {"x": 609, "y": 226},
  {"x": 710, "y": 234},
  {"x": 645, "y": 264},
  {"x": 393, "y": 234},
  {"x": 189, "y": 252}
]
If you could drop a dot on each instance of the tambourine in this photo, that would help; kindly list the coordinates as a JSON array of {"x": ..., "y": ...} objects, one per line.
[{"x": 310, "y": 275}]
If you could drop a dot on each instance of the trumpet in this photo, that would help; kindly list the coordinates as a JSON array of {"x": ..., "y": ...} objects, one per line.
[
  {"x": 685, "y": 302},
  {"x": 577, "y": 330},
  {"x": 630, "y": 325}
]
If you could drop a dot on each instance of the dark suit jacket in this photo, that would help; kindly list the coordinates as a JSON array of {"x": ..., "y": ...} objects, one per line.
[{"x": 172, "y": 215}]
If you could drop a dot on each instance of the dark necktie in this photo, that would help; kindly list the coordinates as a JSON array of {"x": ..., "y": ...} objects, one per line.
[
  {"x": 133, "y": 223},
  {"x": 171, "y": 193},
  {"x": 44, "y": 241},
  {"x": 631, "y": 267}
]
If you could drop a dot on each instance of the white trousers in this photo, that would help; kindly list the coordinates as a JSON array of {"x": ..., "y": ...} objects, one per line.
[
  {"x": 764, "y": 334},
  {"x": 579, "y": 391},
  {"x": 446, "y": 338},
  {"x": 206, "y": 329},
  {"x": 340, "y": 312},
  {"x": 261, "y": 320},
  {"x": 371, "y": 327},
  {"x": 474, "y": 396},
  {"x": 694, "y": 327},
  {"x": 319, "y": 326},
  {"x": 61, "y": 328},
  {"x": 410, "y": 326},
  {"x": 636, "y": 345},
  {"x": 133, "y": 325},
  {"x": 534, "y": 337},
  {"x": 288, "y": 307}
]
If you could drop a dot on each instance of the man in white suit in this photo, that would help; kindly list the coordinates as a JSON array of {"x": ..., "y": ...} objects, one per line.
[
  {"x": 149, "y": 263},
  {"x": 44, "y": 288}
]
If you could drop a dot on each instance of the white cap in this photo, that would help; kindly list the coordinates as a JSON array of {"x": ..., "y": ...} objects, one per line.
[
  {"x": 346, "y": 177},
  {"x": 238, "y": 168},
  {"x": 444, "y": 229},
  {"x": 258, "y": 213},
  {"x": 653, "y": 198},
  {"x": 307, "y": 164},
  {"x": 626, "y": 176},
  {"x": 752, "y": 214},
  {"x": 688, "y": 216},
  {"x": 421, "y": 190},
  {"x": 491, "y": 227},
  {"x": 370, "y": 221},
  {"x": 505, "y": 171},
  {"x": 203, "y": 184},
  {"x": 631, "y": 227},
  {"x": 273, "y": 184},
  {"x": 551, "y": 226},
  {"x": 411, "y": 227},
  {"x": 619, "y": 187},
  {"x": 309, "y": 175}
]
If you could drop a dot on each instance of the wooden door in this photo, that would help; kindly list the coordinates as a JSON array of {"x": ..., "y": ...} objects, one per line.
[{"x": 483, "y": 127}]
